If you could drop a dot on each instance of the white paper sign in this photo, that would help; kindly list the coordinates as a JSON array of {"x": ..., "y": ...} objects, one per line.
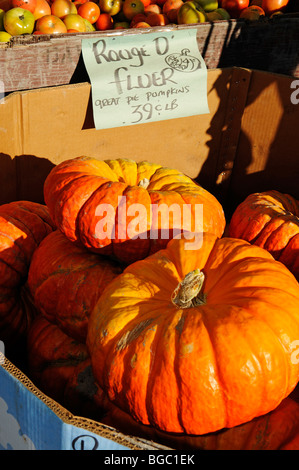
[{"x": 146, "y": 77}]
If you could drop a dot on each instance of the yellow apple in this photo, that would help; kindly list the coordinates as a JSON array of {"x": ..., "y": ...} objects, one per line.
[
  {"x": 214, "y": 16},
  {"x": 225, "y": 14},
  {"x": 4, "y": 36},
  {"x": 89, "y": 27},
  {"x": 208, "y": 5}
]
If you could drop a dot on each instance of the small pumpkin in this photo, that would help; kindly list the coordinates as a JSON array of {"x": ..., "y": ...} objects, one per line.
[
  {"x": 65, "y": 282},
  {"x": 23, "y": 225},
  {"x": 270, "y": 220},
  {"x": 196, "y": 341},
  {"x": 94, "y": 203}
]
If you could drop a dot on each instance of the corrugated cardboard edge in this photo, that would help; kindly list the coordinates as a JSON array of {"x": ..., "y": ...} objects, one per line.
[{"x": 107, "y": 432}]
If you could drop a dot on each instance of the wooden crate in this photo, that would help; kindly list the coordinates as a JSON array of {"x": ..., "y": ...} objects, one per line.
[{"x": 272, "y": 45}]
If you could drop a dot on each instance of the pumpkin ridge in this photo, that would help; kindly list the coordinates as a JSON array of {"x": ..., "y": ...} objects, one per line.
[
  {"x": 149, "y": 175},
  {"x": 116, "y": 227},
  {"x": 286, "y": 201},
  {"x": 63, "y": 199},
  {"x": 261, "y": 442},
  {"x": 122, "y": 173},
  {"x": 243, "y": 234},
  {"x": 15, "y": 218},
  {"x": 116, "y": 243},
  {"x": 179, "y": 328},
  {"x": 13, "y": 268},
  {"x": 266, "y": 322},
  {"x": 40, "y": 214},
  {"x": 19, "y": 255},
  {"x": 289, "y": 242},
  {"x": 20, "y": 224},
  {"x": 89, "y": 206},
  {"x": 283, "y": 220},
  {"x": 160, "y": 193},
  {"x": 256, "y": 363},
  {"x": 231, "y": 261},
  {"x": 153, "y": 409},
  {"x": 163, "y": 173},
  {"x": 218, "y": 376}
]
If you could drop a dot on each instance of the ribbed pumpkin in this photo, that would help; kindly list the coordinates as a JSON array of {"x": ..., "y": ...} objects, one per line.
[
  {"x": 60, "y": 366},
  {"x": 271, "y": 220},
  {"x": 120, "y": 207},
  {"x": 23, "y": 225},
  {"x": 66, "y": 281},
  {"x": 196, "y": 341}
]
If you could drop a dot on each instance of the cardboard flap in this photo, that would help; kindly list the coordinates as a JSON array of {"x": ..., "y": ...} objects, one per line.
[
  {"x": 32, "y": 421},
  {"x": 267, "y": 156},
  {"x": 247, "y": 143},
  {"x": 56, "y": 124}
]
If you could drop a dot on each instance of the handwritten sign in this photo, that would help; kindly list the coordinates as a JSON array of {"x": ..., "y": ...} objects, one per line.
[{"x": 146, "y": 77}]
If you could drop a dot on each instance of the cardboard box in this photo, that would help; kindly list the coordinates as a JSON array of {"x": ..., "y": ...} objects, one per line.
[
  {"x": 271, "y": 45},
  {"x": 29, "y": 420},
  {"x": 249, "y": 142}
]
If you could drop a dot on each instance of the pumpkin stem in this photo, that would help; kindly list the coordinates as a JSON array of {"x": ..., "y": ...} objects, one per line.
[
  {"x": 144, "y": 183},
  {"x": 188, "y": 292}
]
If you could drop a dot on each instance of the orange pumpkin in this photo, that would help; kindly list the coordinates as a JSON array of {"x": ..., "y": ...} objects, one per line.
[
  {"x": 65, "y": 282},
  {"x": 23, "y": 225},
  {"x": 95, "y": 203},
  {"x": 60, "y": 366},
  {"x": 195, "y": 341},
  {"x": 270, "y": 220}
]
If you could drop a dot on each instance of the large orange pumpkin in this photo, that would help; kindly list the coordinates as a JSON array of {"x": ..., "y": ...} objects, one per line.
[
  {"x": 95, "y": 203},
  {"x": 23, "y": 225},
  {"x": 66, "y": 281},
  {"x": 196, "y": 341},
  {"x": 271, "y": 220}
]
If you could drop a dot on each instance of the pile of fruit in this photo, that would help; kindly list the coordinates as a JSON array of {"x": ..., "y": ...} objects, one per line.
[
  {"x": 142, "y": 311},
  {"x": 78, "y": 16}
]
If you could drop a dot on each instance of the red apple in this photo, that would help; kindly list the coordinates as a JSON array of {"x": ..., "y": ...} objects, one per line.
[
  {"x": 234, "y": 7},
  {"x": 50, "y": 24}
]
